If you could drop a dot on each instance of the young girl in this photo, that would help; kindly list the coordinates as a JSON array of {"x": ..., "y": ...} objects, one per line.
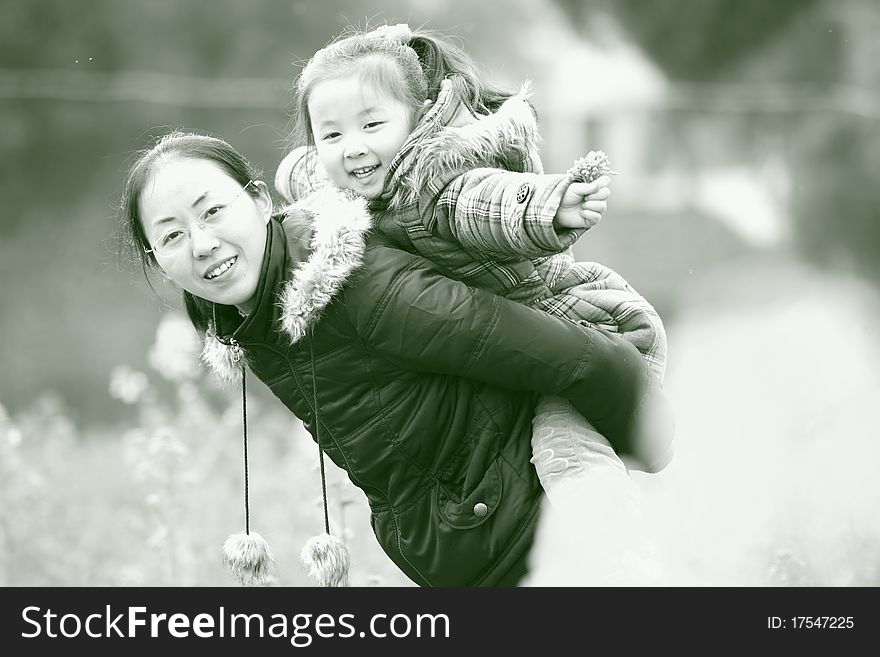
[
  {"x": 385, "y": 360},
  {"x": 451, "y": 170}
]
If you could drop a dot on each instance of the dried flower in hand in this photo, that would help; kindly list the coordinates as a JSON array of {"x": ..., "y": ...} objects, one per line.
[{"x": 591, "y": 166}]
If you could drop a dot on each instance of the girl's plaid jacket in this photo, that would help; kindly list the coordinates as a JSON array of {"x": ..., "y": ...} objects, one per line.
[{"x": 468, "y": 192}]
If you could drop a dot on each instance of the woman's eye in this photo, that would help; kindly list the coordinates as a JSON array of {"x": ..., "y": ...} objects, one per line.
[
  {"x": 171, "y": 237},
  {"x": 212, "y": 212}
]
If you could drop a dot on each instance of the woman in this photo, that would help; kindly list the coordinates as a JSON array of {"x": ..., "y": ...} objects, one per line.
[{"x": 421, "y": 388}]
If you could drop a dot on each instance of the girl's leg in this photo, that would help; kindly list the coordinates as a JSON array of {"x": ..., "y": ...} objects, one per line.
[
  {"x": 593, "y": 533},
  {"x": 566, "y": 445}
]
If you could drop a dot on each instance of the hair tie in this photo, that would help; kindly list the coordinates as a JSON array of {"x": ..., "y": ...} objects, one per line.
[{"x": 399, "y": 32}]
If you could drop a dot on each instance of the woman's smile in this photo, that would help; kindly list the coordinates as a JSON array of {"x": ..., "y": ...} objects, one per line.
[{"x": 214, "y": 273}]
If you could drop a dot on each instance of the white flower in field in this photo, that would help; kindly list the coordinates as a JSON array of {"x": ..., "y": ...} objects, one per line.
[
  {"x": 188, "y": 393},
  {"x": 13, "y": 436},
  {"x": 135, "y": 442},
  {"x": 10, "y": 439},
  {"x": 131, "y": 576},
  {"x": 788, "y": 568},
  {"x": 231, "y": 417},
  {"x": 127, "y": 385},
  {"x": 8, "y": 431},
  {"x": 154, "y": 454},
  {"x": 175, "y": 353},
  {"x": 159, "y": 537},
  {"x": 165, "y": 443}
]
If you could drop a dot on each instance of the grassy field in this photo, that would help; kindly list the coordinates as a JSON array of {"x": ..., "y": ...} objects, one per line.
[
  {"x": 149, "y": 502},
  {"x": 773, "y": 481}
]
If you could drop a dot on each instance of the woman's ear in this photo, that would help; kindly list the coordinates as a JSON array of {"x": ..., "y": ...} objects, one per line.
[
  {"x": 151, "y": 262},
  {"x": 263, "y": 200}
]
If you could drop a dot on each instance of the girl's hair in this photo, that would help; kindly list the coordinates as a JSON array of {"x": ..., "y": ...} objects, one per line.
[
  {"x": 175, "y": 145},
  {"x": 409, "y": 72}
]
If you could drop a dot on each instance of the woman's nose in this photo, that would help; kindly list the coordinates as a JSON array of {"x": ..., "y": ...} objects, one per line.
[{"x": 203, "y": 242}]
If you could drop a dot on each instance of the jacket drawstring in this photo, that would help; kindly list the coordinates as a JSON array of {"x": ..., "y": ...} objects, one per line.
[
  {"x": 318, "y": 441},
  {"x": 246, "y": 554},
  {"x": 247, "y": 506},
  {"x": 324, "y": 556}
]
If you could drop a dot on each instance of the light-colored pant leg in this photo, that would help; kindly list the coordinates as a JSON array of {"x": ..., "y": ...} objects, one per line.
[
  {"x": 565, "y": 444},
  {"x": 594, "y": 533}
]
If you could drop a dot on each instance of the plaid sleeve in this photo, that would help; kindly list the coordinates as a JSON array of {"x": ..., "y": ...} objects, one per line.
[
  {"x": 593, "y": 294},
  {"x": 504, "y": 213}
]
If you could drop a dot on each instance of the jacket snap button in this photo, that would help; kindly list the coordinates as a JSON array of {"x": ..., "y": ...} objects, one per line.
[
  {"x": 522, "y": 193},
  {"x": 480, "y": 509}
]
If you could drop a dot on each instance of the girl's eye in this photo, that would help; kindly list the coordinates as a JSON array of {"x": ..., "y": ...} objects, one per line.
[
  {"x": 330, "y": 136},
  {"x": 373, "y": 124}
]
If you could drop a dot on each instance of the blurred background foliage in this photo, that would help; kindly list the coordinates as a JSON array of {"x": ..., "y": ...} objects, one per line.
[
  {"x": 85, "y": 84},
  {"x": 745, "y": 131},
  {"x": 706, "y": 40}
]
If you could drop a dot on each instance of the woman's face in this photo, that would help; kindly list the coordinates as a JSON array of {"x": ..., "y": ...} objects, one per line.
[{"x": 220, "y": 262}]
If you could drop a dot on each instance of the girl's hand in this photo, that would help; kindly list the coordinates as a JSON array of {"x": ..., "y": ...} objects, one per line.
[{"x": 583, "y": 204}]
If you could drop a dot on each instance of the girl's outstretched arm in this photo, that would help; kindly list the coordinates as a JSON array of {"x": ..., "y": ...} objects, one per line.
[{"x": 505, "y": 213}]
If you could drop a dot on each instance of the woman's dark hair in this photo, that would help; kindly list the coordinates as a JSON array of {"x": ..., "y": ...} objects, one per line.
[{"x": 176, "y": 145}]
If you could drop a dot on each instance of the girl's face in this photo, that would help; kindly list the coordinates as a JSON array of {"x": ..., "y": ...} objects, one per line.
[
  {"x": 221, "y": 264},
  {"x": 358, "y": 131}
]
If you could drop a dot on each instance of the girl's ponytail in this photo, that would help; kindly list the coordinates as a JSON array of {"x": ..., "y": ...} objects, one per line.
[
  {"x": 441, "y": 59},
  {"x": 434, "y": 63}
]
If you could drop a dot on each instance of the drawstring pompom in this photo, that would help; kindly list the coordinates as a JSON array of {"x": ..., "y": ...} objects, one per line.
[
  {"x": 250, "y": 560},
  {"x": 326, "y": 559}
]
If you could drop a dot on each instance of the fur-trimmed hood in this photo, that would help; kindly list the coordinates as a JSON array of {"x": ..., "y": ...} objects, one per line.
[
  {"x": 322, "y": 239},
  {"x": 450, "y": 138}
]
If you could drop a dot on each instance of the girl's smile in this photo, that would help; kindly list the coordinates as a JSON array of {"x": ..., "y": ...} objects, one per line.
[{"x": 358, "y": 132}]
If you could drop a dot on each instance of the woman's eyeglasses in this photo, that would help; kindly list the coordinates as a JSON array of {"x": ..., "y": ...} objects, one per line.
[{"x": 175, "y": 240}]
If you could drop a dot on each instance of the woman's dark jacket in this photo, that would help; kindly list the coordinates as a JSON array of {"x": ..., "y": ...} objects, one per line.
[{"x": 425, "y": 387}]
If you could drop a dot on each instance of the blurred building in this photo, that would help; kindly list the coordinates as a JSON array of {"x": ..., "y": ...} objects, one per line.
[{"x": 722, "y": 149}]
